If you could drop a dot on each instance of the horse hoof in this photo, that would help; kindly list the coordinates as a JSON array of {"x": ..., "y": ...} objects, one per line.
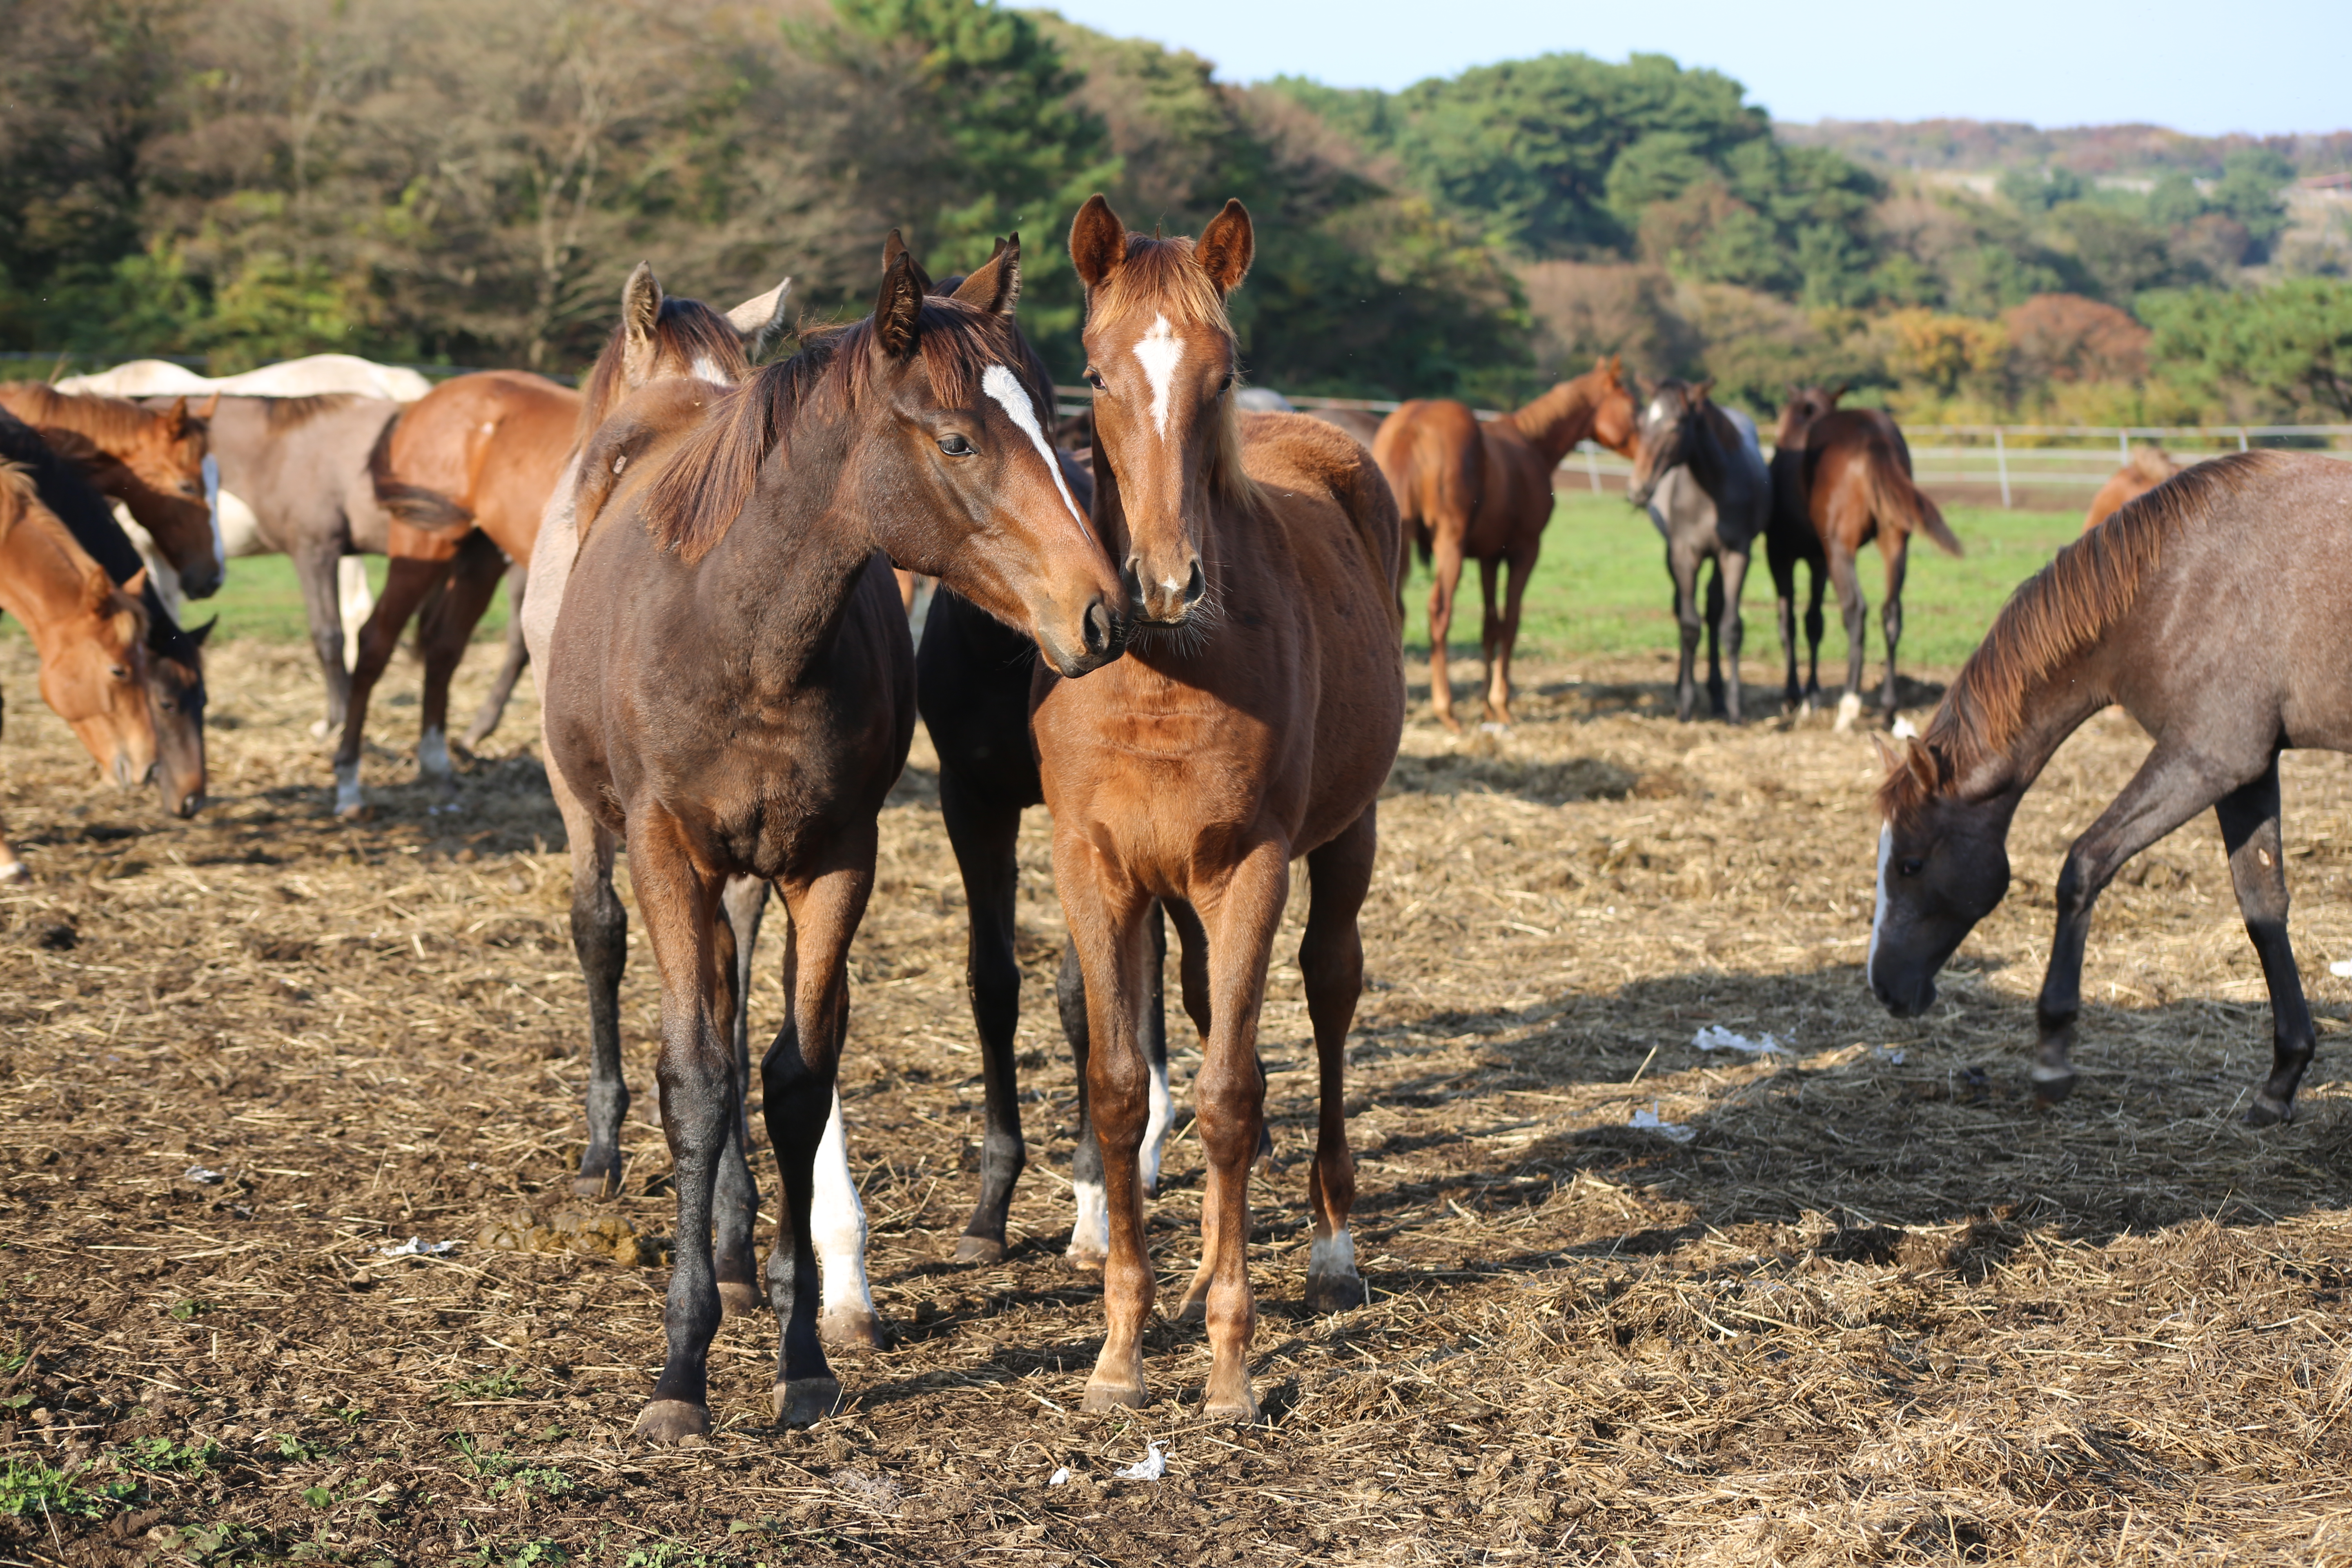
[
  {"x": 851, "y": 1329},
  {"x": 805, "y": 1401},
  {"x": 672, "y": 1421},
  {"x": 2052, "y": 1085},
  {"x": 737, "y": 1300},
  {"x": 14, "y": 872},
  {"x": 1193, "y": 1309},
  {"x": 2267, "y": 1112},
  {"x": 1240, "y": 1411},
  {"x": 978, "y": 1250},
  {"x": 592, "y": 1182},
  {"x": 1452, "y": 724},
  {"x": 1849, "y": 710},
  {"x": 1104, "y": 1397},
  {"x": 1495, "y": 727},
  {"x": 1334, "y": 1292},
  {"x": 1085, "y": 1262}
]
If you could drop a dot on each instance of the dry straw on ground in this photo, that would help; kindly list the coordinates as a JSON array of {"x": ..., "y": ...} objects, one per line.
[{"x": 1876, "y": 1309}]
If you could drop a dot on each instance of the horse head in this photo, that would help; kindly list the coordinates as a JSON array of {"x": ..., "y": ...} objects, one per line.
[
  {"x": 1664, "y": 434},
  {"x": 1943, "y": 866}
]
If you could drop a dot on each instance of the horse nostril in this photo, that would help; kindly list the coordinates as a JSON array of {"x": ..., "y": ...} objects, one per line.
[
  {"x": 1098, "y": 628},
  {"x": 1197, "y": 584}
]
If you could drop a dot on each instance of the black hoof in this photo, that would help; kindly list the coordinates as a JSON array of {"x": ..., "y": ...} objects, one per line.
[
  {"x": 2266, "y": 1111},
  {"x": 2049, "y": 1090}
]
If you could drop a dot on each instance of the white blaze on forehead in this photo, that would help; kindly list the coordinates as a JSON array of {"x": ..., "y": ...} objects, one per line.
[
  {"x": 1014, "y": 398},
  {"x": 1878, "y": 915},
  {"x": 707, "y": 369},
  {"x": 1658, "y": 409},
  {"x": 1160, "y": 351}
]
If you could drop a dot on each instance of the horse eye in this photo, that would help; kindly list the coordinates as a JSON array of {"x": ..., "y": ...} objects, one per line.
[
  {"x": 955, "y": 447},
  {"x": 1094, "y": 378},
  {"x": 1912, "y": 866},
  {"x": 1227, "y": 385},
  {"x": 121, "y": 673}
]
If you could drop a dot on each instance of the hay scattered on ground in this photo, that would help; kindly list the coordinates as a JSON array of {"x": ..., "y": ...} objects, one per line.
[{"x": 1874, "y": 1309}]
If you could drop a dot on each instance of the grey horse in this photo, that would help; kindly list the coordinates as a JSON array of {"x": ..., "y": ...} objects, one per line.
[{"x": 1698, "y": 470}]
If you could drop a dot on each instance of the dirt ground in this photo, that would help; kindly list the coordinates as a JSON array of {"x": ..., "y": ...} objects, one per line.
[{"x": 1869, "y": 1306}]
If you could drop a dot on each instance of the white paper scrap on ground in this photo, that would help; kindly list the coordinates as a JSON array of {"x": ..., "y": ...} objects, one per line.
[
  {"x": 1060, "y": 1478},
  {"x": 417, "y": 1246},
  {"x": 1149, "y": 1467},
  {"x": 1715, "y": 1038},
  {"x": 1892, "y": 1055},
  {"x": 2341, "y": 968},
  {"x": 1649, "y": 1121},
  {"x": 202, "y": 1177}
]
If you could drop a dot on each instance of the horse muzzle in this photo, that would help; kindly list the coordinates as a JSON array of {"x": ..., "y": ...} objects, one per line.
[
  {"x": 202, "y": 582},
  {"x": 1169, "y": 600},
  {"x": 1102, "y": 633},
  {"x": 1904, "y": 1000}
]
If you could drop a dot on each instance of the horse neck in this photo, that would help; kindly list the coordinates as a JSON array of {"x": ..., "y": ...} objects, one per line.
[
  {"x": 780, "y": 580},
  {"x": 41, "y": 580},
  {"x": 2054, "y": 706},
  {"x": 1559, "y": 419}
]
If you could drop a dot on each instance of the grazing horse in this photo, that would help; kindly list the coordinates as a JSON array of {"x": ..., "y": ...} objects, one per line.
[
  {"x": 1253, "y": 720},
  {"x": 1791, "y": 540},
  {"x": 1697, "y": 470},
  {"x": 173, "y": 668},
  {"x": 2148, "y": 467},
  {"x": 2212, "y": 610},
  {"x": 91, "y": 636},
  {"x": 661, "y": 339},
  {"x": 730, "y": 684},
  {"x": 1857, "y": 486},
  {"x": 157, "y": 463},
  {"x": 1484, "y": 492}
]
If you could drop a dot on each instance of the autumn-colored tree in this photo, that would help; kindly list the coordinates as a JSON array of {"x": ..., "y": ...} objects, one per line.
[{"x": 2066, "y": 338}]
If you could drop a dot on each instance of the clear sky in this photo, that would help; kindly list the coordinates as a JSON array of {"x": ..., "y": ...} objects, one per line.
[{"x": 2268, "y": 67}]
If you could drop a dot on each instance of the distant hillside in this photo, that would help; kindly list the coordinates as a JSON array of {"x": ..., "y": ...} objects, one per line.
[{"x": 2089, "y": 150}]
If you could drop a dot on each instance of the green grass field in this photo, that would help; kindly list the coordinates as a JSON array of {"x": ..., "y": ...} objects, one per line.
[{"x": 1601, "y": 589}]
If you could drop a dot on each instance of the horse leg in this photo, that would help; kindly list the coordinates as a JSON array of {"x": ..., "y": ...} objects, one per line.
[
  {"x": 1331, "y": 963},
  {"x": 493, "y": 706},
  {"x": 600, "y": 939},
  {"x": 984, "y": 835},
  {"x": 13, "y": 870},
  {"x": 697, "y": 1095},
  {"x": 2173, "y": 785},
  {"x": 1857, "y": 625},
  {"x": 1784, "y": 617},
  {"x": 735, "y": 1198},
  {"x": 798, "y": 1100},
  {"x": 1714, "y": 618},
  {"x": 1230, "y": 1096},
  {"x": 1816, "y": 579},
  {"x": 2249, "y": 816},
  {"x": 1730, "y": 578},
  {"x": 1445, "y": 570},
  {"x": 1890, "y": 613},
  {"x": 1498, "y": 690},
  {"x": 1090, "y": 1227},
  {"x": 1490, "y": 633},
  {"x": 445, "y": 626},
  {"x": 406, "y": 586},
  {"x": 317, "y": 564},
  {"x": 1682, "y": 565}
]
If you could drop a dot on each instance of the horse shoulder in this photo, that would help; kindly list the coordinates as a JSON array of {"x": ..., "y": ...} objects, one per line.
[{"x": 1321, "y": 485}]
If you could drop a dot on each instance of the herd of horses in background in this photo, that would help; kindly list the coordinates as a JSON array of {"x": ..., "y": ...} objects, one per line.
[{"x": 1184, "y": 639}]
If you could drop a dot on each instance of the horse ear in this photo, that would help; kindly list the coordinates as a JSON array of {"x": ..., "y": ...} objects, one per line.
[
  {"x": 211, "y": 408},
  {"x": 759, "y": 321},
  {"x": 1843, "y": 389},
  {"x": 898, "y": 308},
  {"x": 995, "y": 286},
  {"x": 1928, "y": 765},
  {"x": 98, "y": 588},
  {"x": 196, "y": 635},
  {"x": 896, "y": 246},
  {"x": 1226, "y": 246},
  {"x": 641, "y": 303},
  {"x": 1097, "y": 241},
  {"x": 1700, "y": 389}
]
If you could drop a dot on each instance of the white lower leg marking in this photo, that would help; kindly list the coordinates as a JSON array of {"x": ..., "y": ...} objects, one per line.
[
  {"x": 838, "y": 1223},
  {"x": 357, "y": 601},
  {"x": 433, "y": 755},
  {"x": 1155, "y": 1128},
  {"x": 1333, "y": 1254},
  {"x": 347, "y": 787},
  {"x": 1159, "y": 352},
  {"x": 1005, "y": 387},
  {"x": 1090, "y": 1227},
  {"x": 2044, "y": 1073},
  {"x": 1878, "y": 914},
  {"x": 1848, "y": 710}
]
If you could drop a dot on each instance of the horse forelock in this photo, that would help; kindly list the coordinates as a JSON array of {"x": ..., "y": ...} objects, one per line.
[
  {"x": 1162, "y": 294},
  {"x": 703, "y": 343},
  {"x": 2053, "y": 615}
]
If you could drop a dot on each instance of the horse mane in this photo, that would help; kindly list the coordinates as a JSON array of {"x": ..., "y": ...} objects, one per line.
[
  {"x": 1543, "y": 418},
  {"x": 280, "y": 415},
  {"x": 104, "y": 418},
  {"x": 709, "y": 480},
  {"x": 2151, "y": 465},
  {"x": 1154, "y": 269},
  {"x": 2053, "y": 615},
  {"x": 692, "y": 328}
]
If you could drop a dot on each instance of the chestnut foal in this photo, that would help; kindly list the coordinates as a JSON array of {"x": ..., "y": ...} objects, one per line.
[
  {"x": 730, "y": 684},
  {"x": 1253, "y": 721}
]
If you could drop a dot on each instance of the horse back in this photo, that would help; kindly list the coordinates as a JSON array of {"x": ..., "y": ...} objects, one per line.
[
  {"x": 1434, "y": 460},
  {"x": 480, "y": 450}
]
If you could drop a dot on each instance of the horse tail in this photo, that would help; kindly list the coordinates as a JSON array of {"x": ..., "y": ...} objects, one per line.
[
  {"x": 1893, "y": 498},
  {"x": 421, "y": 506}
]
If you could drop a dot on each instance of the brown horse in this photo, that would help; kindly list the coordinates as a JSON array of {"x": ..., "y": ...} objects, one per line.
[
  {"x": 155, "y": 462},
  {"x": 2211, "y": 610},
  {"x": 2149, "y": 467},
  {"x": 1856, "y": 481},
  {"x": 90, "y": 635},
  {"x": 1483, "y": 492},
  {"x": 730, "y": 684},
  {"x": 1790, "y": 539},
  {"x": 1253, "y": 721}
]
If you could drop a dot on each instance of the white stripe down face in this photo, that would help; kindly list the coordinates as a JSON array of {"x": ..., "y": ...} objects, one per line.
[
  {"x": 1005, "y": 387},
  {"x": 1159, "y": 352}
]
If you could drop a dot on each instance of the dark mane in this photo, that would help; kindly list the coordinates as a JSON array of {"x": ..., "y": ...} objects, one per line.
[
  {"x": 688, "y": 328},
  {"x": 280, "y": 415},
  {"x": 705, "y": 485},
  {"x": 2054, "y": 614}
]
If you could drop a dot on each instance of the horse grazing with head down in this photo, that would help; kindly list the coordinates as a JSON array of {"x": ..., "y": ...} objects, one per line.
[
  {"x": 1252, "y": 722},
  {"x": 1697, "y": 470},
  {"x": 2148, "y": 467},
  {"x": 2212, "y": 610},
  {"x": 1483, "y": 492},
  {"x": 90, "y": 635},
  {"x": 731, "y": 685},
  {"x": 156, "y": 462}
]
